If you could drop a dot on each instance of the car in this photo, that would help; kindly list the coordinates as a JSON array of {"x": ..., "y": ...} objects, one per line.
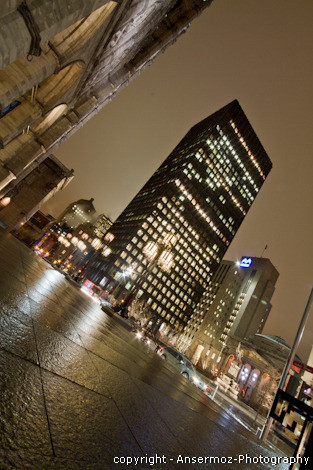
[
  {"x": 182, "y": 363},
  {"x": 179, "y": 361}
]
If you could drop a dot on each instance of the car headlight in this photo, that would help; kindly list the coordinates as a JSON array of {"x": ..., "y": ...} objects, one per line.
[
  {"x": 195, "y": 379},
  {"x": 138, "y": 335}
]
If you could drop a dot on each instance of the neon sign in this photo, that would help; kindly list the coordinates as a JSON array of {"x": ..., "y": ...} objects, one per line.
[{"x": 245, "y": 262}]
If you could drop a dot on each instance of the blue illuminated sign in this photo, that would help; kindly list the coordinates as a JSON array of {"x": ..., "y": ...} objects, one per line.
[{"x": 245, "y": 262}]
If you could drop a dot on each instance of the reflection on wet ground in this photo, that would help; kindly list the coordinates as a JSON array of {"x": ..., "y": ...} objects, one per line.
[{"x": 79, "y": 390}]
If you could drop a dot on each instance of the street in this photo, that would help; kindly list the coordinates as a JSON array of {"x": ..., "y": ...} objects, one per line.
[{"x": 79, "y": 391}]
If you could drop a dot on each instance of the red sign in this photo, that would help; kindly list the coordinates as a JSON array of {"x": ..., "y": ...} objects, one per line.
[{"x": 303, "y": 366}]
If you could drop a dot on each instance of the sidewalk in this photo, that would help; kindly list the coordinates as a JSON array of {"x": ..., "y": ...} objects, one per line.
[{"x": 80, "y": 392}]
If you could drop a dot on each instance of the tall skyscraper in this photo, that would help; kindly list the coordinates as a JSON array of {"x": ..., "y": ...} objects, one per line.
[
  {"x": 237, "y": 303},
  {"x": 169, "y": 241}
]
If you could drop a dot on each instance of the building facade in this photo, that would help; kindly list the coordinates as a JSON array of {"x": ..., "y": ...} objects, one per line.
[
  {"x": 169, "y": 241},
  {"x": 102, "y": 225},
  {"x": 76, "y": 213},
  {"x": 74, "y": 237},
  {"x": 27, "y": 193},
  {"x": 308, "y": 376},
  {"x": 237, "y": 303},
  {"x": 72, "y": 251},
  {"x": 61, "y": 61},
  {"x": 55, "y": 239},
  {"x": 30, "y": 232},
  {"x": 250, "y": 369}
]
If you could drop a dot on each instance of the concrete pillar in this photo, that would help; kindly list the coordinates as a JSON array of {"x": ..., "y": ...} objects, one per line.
[{"x": 36, "y": 22}]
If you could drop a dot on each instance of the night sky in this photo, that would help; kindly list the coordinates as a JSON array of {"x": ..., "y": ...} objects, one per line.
[{"x": 259, "y": 52}]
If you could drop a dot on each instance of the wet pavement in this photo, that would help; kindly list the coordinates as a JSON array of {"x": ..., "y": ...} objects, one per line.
[{"x": 79, "y": 391}]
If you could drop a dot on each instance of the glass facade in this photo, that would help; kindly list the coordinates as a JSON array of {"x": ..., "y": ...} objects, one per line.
[{"x": 171, "y": 238}]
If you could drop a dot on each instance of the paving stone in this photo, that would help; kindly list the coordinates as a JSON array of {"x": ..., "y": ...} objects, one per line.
[
  {"x": 13, "y": 298},
  {"x": 85, "y": 424},
  {"x": 11, "y": 281},
  {"x": 67, "y": 359},
  {"x": 23, "y": 418},
  {"x": 17, "y": 333},
  {"x": 34, "y": 461}
]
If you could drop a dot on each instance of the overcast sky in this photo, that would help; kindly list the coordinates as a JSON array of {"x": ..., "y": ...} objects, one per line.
[{"x": 259, "y": 52}]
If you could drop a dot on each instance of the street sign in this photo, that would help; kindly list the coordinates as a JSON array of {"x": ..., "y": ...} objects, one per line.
[{"x": 303, "y": 366}]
